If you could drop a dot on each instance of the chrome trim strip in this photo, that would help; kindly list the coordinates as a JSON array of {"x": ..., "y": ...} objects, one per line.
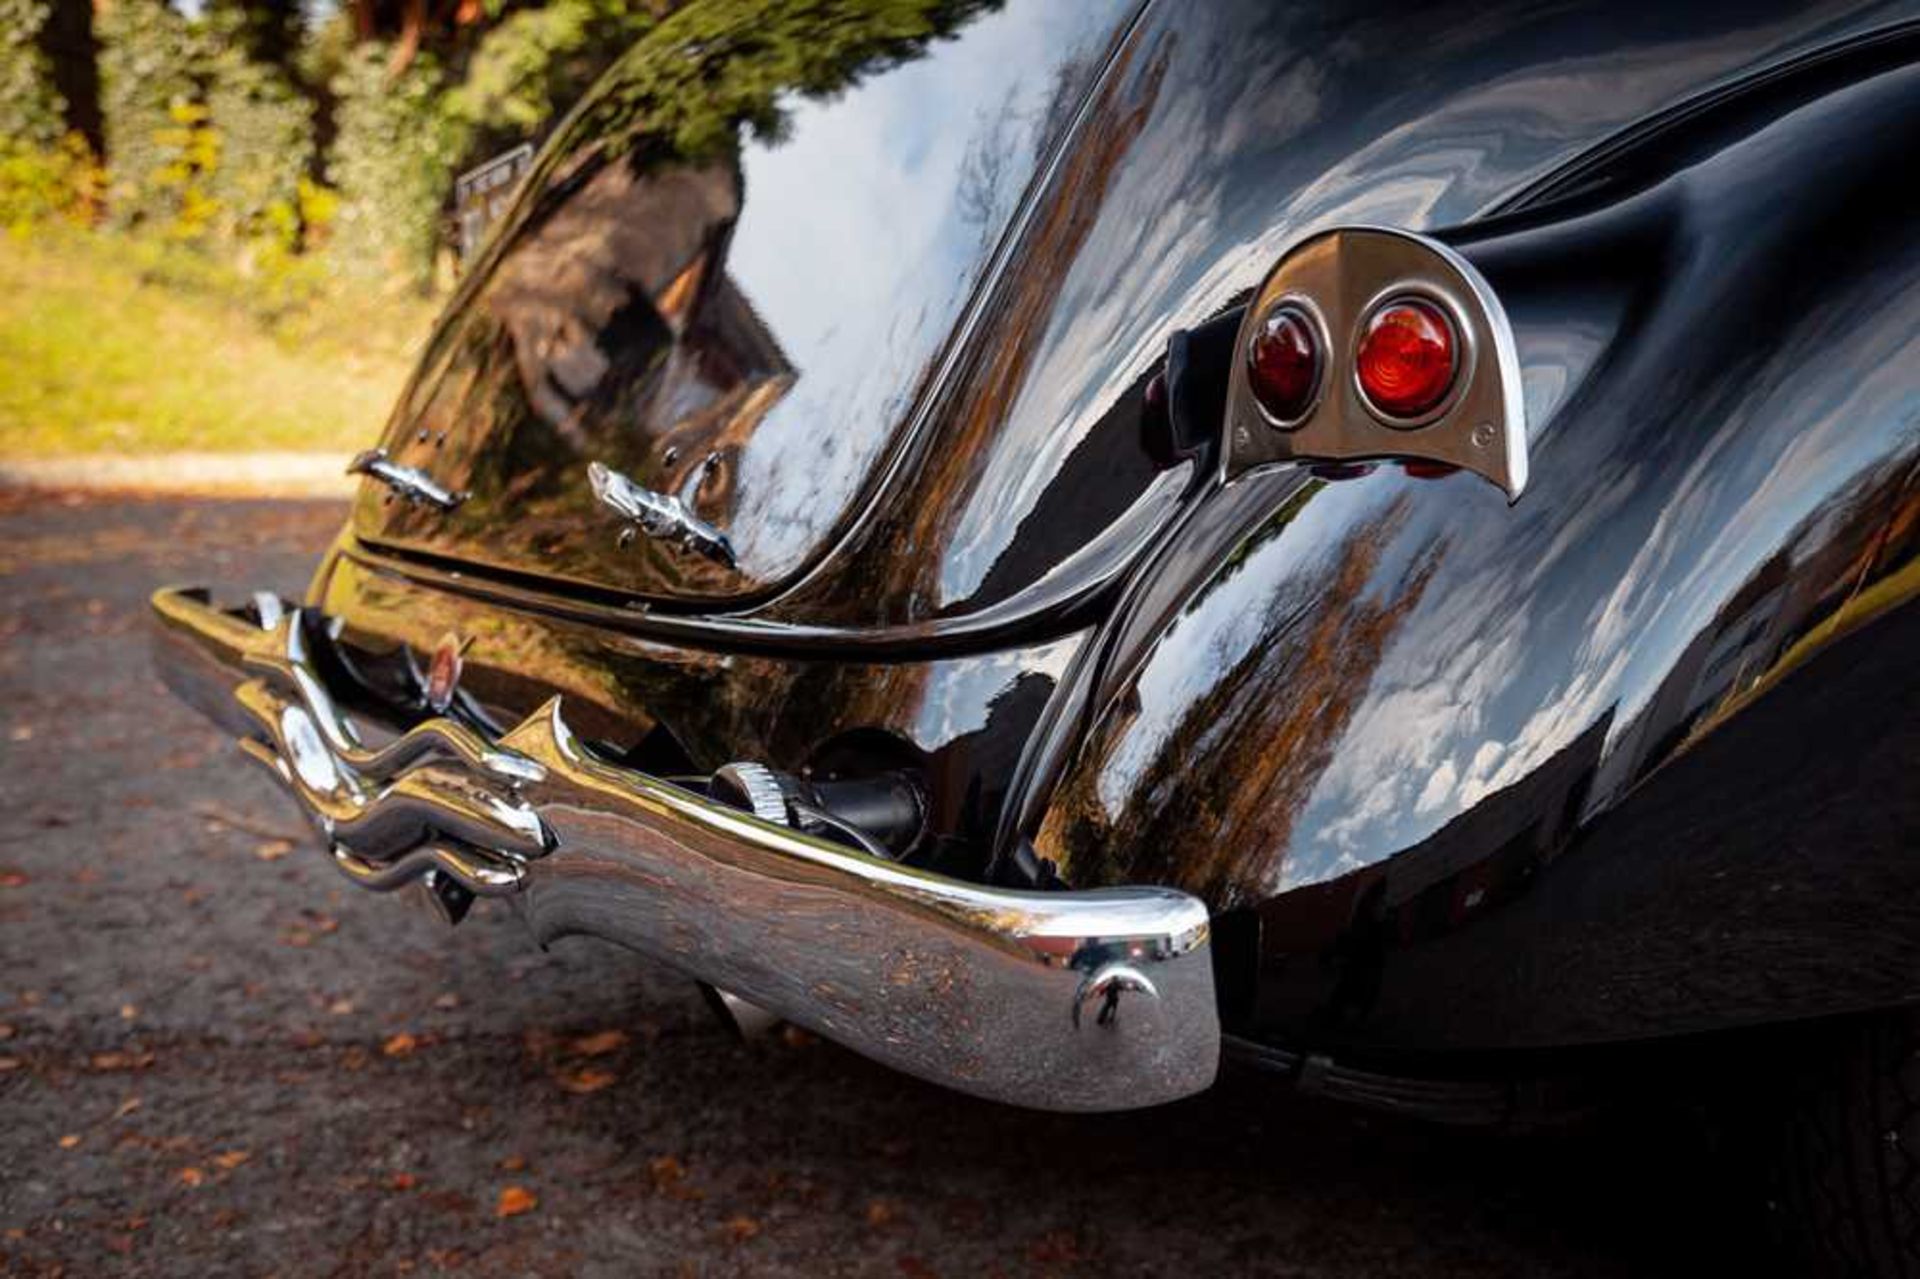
[{"x": 1088, "y": 1000}]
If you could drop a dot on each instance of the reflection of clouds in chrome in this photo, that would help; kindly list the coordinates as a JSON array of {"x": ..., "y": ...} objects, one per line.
[{"x": 858, "y": 209}]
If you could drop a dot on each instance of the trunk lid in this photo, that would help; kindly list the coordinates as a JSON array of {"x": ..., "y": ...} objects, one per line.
[{"x": 729, "y": 290}]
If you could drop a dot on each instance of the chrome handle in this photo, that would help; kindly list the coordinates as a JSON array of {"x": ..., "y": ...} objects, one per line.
[
  {"x": 663, "y": 516},
  {"x": 409, "y": 482}
]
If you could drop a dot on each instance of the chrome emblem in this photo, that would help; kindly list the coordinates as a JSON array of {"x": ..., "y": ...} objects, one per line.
[{"x": 443, "y": 672}]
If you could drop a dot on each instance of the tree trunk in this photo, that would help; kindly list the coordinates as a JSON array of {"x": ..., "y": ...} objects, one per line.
[{"x": 67, "y": 40}]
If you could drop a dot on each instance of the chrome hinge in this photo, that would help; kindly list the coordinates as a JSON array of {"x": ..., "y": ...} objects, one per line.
[
  {"x": 406, "y": 481},
  {"x": 663, "y": 516}
]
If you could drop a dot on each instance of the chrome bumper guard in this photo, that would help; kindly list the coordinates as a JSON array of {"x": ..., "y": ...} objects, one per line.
[{"x": 1089, "y": 1000}]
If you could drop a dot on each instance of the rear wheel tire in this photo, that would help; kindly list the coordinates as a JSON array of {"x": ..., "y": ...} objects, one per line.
[{"x": 1847, "y": 1163}]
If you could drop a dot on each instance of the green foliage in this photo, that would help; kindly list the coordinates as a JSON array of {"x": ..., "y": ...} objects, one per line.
[
  {"x": 38, "y": 185},
  {"x": 30, "y": 108},
  {"x": 148, "y": 55},
  {"x": 189, "y": 151},
  {"x": 212, "y": 124},
  {"x": 43, "y": 175},
  {"x": 714, "y": 67},
  {"x": 392, "y": 162},
  {"x": 265, "y": 128},
  {"x": 537, "y": 62}
]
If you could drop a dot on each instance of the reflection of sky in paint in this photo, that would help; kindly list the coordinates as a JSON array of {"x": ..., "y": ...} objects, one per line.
[
  {"x": 1446, "y": 721},
  {"x": 1194, "y": 218},
  {"x": 968, "y": 687},
  {"x": 1544, "y": 618},
  {"x": 854, "y": 250}
]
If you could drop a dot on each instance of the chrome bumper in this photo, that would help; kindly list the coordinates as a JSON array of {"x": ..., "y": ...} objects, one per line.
[{"x": 1082, "y": 1000}]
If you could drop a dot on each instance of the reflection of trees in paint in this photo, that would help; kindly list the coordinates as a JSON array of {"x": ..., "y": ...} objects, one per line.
[
  {"x": 1214, "y": 810},
  {"x": 988, "y": 381}
]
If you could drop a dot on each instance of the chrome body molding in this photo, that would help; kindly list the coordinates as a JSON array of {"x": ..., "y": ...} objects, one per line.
[
  {"x": 409, "y": 482},
  {"x": 1086, "y": 1000},
  {"x": 665, "y": 517},
  {"x": 1339, "y": 279}
]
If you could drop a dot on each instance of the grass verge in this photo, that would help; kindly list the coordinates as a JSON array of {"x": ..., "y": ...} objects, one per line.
[{"x": 102, "y": 351}]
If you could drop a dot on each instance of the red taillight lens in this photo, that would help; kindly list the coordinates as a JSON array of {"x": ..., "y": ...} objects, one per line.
[
  {"x": 1406, "y": 360},
  {"x": 1283, "y": 364}
]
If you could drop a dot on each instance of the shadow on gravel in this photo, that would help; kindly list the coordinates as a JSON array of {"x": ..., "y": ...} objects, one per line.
[{"x": 214, "y": 1058}]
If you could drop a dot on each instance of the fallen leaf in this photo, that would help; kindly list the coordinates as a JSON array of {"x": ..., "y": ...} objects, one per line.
[
  {"x": 9, "y": 1063},
  {"x": 513, "y": 1163},
  {"x": 217, "y": 816},
  {"x": 231, "y": 1159},
  {"x": 585, "y": 1080},
  {"x": 401, "y": 1181},
  {"x": 881, "y": 1212},
  {"x": 741, "y": 1229},
  {"x": 446, "y": 1001},
  {"x": 22, "y": 733},
  {"x": 128, "y": 1012},
  {"x": 69, "y": 1141},
  {"x": 120, "y": 1060},
  {"x": 340, "y": 1007},
  {"x": 515, "y": 1200},
  {"x": 273, "y": 850},
  {"x": 400, "y": 1045},
  {"x": 126, "y": 1108},
  {"x": 191, "y": 1176},
  {"x": 13, "y": 879},
  {"x": 6, "y": 1031},
  {"x": 599, "y": 1045}
]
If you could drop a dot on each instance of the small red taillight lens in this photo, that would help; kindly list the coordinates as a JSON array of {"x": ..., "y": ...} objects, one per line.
[
  {"x": 1406, "y": 360},
  {"x": 1283, "y": 364}
]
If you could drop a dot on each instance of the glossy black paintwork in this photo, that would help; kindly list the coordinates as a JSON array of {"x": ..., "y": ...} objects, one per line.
[
  {"x": 957, "y": 724},
  {"x": 742, "y": 317},
  {"x": 1634, "y": 757},
  {"x": 787, "y": 310}
]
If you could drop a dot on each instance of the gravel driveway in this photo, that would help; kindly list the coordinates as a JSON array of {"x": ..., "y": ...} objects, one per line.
[{"x": 215, "y": 1057}]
